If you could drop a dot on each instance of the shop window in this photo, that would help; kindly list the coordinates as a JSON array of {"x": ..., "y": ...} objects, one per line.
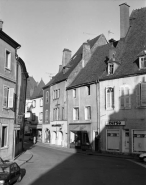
[
  {"x": 141, "y": 95},
  {"x": 33, "y": 116},
  {"x": 8, "y": 60},
  {"x": 88, "y": 113},
  {"x": 125, "y": 98},
  {"x": 109, "y": 98},
  {"x": 76, "y": 113},
  {"x": 4, "y": 136}
]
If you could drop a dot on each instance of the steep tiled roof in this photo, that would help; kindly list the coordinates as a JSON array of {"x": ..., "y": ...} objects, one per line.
[
  {"x": 9, "y": 40},
  {"x": 71, "y": 65},
  {"x": 94, "y": 68},
  {"x": 127, "y": 51},
  {"x": 31, "y": 83},
  {"x": 38, "y": 91},
  {"x": 135, "y": 43}
]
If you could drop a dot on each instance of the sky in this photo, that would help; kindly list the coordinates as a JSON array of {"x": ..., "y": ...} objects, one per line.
[{"x": 44, "y": 28}]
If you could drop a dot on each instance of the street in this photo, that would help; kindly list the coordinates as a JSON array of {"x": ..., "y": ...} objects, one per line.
[{"x": 56, "y": 167}]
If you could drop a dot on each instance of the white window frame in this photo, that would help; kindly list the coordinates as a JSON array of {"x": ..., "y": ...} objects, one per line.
[
  {"x": 41, "y": 116},
  {"x": 41, "y": 102},
  {"x": 112, "y": 98},
  {"x": 5, "y": 145},
  {"x": 74, "y": 93},
  {"x": 125, "y": 97},
  {"x": 8, "y": 61},
  {"x": 142, "y": 59},
  {"x": 88, "y": 113},
  {"x": 76, "y": 113},
  {"x": 34, "y": 103},
  {"x": 110, "y": 68},
  {"x": 46, "y": 115},
  {"x": 140, "y": 95}
]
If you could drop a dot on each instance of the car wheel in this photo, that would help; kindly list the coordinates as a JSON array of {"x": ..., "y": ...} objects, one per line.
[
  {"x": 144, "y": 159},
  {"x": 19, "y": 178}
]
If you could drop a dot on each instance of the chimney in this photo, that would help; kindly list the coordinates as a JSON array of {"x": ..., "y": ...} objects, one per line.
[
  {"x": 66, "y": 57},
  {"x": 124, "y": 19},
  {"x": 86, "y": 53},
  {"x": 1, "y": 25},
  {"x": 60, "y": 68}
]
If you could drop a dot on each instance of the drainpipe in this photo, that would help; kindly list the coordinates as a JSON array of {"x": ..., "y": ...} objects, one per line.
[{"x": 98, "y": 108}]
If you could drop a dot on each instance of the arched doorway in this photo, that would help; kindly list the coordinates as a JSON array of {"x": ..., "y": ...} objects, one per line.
[
  {"x": 53, "y": 137},
  {"x": 60, "y": 138}
]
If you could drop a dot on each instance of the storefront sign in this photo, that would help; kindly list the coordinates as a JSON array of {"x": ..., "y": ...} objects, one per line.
[
  {"x": 117, "y": 123},
  {"x": 57, "y": 125}
]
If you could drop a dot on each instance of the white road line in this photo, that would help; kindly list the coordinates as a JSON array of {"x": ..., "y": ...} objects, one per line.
[{"x": 143, "y": 165}]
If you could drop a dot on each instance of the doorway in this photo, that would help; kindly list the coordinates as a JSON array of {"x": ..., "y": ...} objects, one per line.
[{"x": 126, "y": 143}]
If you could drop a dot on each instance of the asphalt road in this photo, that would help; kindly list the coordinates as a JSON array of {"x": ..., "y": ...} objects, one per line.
[{"x": 55, "y": 167}]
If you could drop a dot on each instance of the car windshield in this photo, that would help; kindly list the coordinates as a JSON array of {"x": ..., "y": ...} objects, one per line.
[{"x": 4, "y": 169}]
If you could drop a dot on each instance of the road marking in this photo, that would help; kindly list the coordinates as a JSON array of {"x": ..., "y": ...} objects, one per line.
[{"x": 143, "y": 165}]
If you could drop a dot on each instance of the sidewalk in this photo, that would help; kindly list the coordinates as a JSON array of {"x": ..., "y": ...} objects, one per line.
[{"x": 89, "y": 152}]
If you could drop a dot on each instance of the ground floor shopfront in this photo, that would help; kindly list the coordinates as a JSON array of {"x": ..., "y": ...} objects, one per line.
[
  {"x": 55, "y": 133},
  {"x": 80, "y": 135},
  {"x": 124, "y": 136}
]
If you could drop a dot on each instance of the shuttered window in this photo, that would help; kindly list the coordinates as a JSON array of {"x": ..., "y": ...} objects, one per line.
[
  {"x": 46, "y": 116},
  {"x": 11, "y": 98},
  {"x": 141, "y": 95},
  {"x": 125, "y": 97},
  {"x": 5, "y": 97}
]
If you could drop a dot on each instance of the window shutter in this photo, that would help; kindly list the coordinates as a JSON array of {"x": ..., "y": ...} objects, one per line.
[
  {"x": 122, "y": 97},
  {"x": 138, "y": 95},
  {"x": 127, "y": 98},
  {"x": 113, "y": 97},
  {"x": 143, "y": 94},
  {"x": 11, "y": 98},
  {"x": 107, "y": 98}
]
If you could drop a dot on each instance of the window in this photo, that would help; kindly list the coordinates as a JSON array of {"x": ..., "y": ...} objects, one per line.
[
  {"x": 110, "y": 69},
  {"x": 4, "y": 136},
  {"x": 5, "y": 97},
  {"x": 56, "y": 114},
  {"x": 46, "y": 116},
  {"x": 41, "y": 102},
  {"x": 125, "y": 98},
  {"x": 47, "y": 96},
  {"x": 76, "y": 113},
  {"x": 109, "y": 98},
  {"x": 40, "y": 116},
  {"x": 8, "y": 60},
  {"x": 74, "y": 93},
  {"x": 56, "y": 94},
  {"x": 34, "y": 103},
  {"x": 88, "y": 90},
  {"x": 87, "y": 113},
  {"x": 33, "y": 116},
  {"x": 142, "y": 62},
  {"x": 141, "y": 95}
]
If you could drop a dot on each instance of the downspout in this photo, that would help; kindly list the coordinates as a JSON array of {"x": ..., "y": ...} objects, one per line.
[{"x": 98, "y": 108}]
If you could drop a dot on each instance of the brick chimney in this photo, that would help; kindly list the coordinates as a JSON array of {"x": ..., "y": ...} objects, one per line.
[
  {"x": 1, "y": 24},
  {"x": 86, "y": 53},
  {"x": 124, "y": 19},
  {"x": 66, "y": 57}
]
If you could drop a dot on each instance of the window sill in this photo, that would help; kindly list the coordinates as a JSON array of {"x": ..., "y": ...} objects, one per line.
[
  {"x": 6, "y": 108},
  {"x": 7, "y": 69},
  {"x": 141, "y": 107},
  {"x": 3, "y": 148}
]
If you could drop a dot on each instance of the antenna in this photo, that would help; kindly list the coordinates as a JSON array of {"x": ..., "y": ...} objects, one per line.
[{"x": 50, "y": 75}]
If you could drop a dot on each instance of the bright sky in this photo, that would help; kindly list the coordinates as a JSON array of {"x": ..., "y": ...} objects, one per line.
[{"x": 44, "y": 28}]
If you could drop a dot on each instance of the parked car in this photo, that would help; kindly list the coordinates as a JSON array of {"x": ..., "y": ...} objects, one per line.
[
  {"x": 142, "y": 157},
  {"x": 9, "y": 173}
]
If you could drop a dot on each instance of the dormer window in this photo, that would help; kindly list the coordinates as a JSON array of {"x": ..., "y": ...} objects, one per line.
[
  {"x": 110, "y": 69},
  {"x": 142, "y": 62}
]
